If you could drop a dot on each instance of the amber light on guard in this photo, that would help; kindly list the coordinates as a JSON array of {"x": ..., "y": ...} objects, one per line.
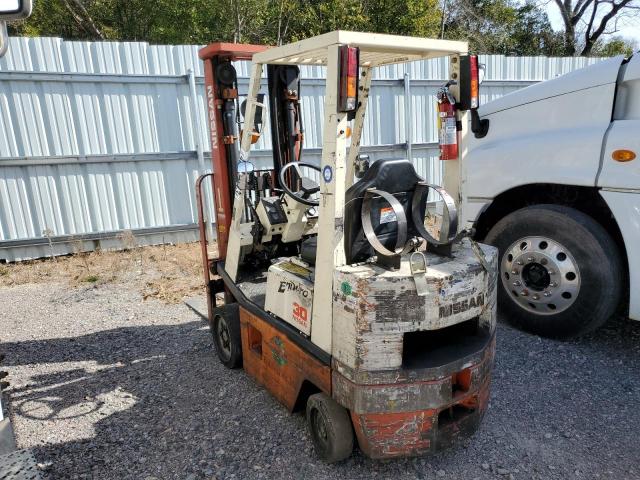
[
  {"x": 348, "y": 88},
  {"x": 474, "y": 81},
  {"x": 468, "y": 83}
]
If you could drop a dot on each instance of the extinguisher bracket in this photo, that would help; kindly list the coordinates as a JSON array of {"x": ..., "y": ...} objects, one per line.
[{"x": 445, "y": 93}]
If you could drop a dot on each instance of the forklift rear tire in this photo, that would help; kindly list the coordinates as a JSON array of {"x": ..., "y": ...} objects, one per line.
[
  {"x": 330, "y": 427},
  {"x": 561, "y": 272},
  {"x": 226, "y": 337}
]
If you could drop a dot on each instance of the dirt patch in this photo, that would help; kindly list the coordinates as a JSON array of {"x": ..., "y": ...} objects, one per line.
[{"x": 168, "y": 272}]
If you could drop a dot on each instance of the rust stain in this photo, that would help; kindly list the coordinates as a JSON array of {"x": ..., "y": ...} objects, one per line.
[{"x": 281, "y": 366}]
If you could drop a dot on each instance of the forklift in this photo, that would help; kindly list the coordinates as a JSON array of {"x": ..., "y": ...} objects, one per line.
[{"x": 347, "y": 288}]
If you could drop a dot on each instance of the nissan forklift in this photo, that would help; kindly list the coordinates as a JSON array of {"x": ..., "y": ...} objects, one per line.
[{"x": 346, "y": 288}]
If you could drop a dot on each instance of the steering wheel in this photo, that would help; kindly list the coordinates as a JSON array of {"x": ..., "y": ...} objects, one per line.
[{"x": 308, "y": 186}]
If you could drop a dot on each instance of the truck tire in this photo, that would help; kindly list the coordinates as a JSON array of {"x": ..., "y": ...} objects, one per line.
[
  {"x": 330, "y": 427},
  {"x": 225, "y": 329},
  {"x": 561, "y": 272}
]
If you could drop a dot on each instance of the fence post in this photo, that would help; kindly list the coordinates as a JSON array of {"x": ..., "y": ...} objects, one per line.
[
  {"x": 408, "y": 126},
  {"x": 196, "y": 119}
]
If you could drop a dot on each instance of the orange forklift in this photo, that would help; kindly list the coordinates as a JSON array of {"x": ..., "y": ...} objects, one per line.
[{"x": 346, "y": 287}]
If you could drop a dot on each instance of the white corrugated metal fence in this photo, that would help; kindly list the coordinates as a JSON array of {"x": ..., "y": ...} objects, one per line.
[{"x": 97, "y": 138}]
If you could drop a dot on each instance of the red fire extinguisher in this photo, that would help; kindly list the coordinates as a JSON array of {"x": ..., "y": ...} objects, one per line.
[{"x": 447, "y": 125}]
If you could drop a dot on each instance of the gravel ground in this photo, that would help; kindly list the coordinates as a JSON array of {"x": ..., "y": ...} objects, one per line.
[{"x": 108, "y": 386}]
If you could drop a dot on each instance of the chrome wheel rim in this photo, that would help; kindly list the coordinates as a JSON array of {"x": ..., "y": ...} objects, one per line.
[{"x": 540, "y": 275}]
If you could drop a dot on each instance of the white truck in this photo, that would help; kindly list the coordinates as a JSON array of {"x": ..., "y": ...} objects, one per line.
[{"x": 552, "y": 180}]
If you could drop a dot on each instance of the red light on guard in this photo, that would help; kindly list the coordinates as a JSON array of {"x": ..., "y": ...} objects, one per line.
[{"x": 348, "y": 78}]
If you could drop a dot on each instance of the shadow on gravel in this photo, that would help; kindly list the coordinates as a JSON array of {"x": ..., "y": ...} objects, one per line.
[
  {"x": 145, "y": 398},
  {"x": 154, "y": 402}
]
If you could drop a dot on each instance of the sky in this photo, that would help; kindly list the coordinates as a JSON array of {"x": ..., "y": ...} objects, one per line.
[{"x": 630, "y": 29}]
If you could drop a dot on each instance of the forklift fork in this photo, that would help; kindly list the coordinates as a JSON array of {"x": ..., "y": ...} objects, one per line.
[{"x": 214, "y": 285}]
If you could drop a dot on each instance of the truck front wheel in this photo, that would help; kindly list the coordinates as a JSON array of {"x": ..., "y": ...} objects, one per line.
[{"x": 561, "y": 272}]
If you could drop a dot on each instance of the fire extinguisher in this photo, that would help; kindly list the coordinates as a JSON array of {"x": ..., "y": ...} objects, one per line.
[{"x": 447, "y": 125}]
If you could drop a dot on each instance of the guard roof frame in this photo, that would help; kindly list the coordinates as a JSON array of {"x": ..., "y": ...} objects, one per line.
[{"x": 376, "y": 49}]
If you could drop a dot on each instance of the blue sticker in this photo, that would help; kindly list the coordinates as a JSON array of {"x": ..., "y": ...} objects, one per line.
[{"x": 327, "y": 173}]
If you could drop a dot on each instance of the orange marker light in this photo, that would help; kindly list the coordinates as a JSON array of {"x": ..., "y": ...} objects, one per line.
[
  {"x": 348, "y": 86},
  {"x": 475, "y": 81},
  {"x": 623, "y": 155}
]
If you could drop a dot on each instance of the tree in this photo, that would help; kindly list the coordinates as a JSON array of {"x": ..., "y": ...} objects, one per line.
[
  {"x": 532, "y": 34},
  {"x": 404, "y": 17},
  {"x": 82, "y": 17},
  {"x": 586, "y": 21},
  {"x": 614, "y": 46},
  {"x": 501, "y": 26},
  {"x": 516, "y": 27},
  {"x": 160, "y": 21}
]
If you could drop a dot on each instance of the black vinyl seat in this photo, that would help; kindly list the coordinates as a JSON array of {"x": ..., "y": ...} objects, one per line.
[
  {"x": 308, "y": 249},
  {"x": 395, "y": 176}
]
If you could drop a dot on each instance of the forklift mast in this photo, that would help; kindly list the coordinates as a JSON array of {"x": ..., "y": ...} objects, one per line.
[
  {"x": 221, "y": 84},
  {"x": 221, "y": 90},
  {"x": 286, "y": 117}
]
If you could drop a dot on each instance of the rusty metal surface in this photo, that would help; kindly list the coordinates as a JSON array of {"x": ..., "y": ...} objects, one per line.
[
  {"x": 405, "y": 401},
  {"x": 414, "y": 390},
  {"x": 373, "y": 308},
  {"x": 221, "y": 187},
  {"x": 204, "y": 243},
  {"x": 235, "y": 51},
  {"x": 409, "y": 420},
  {"x": 277, "y": 363}
]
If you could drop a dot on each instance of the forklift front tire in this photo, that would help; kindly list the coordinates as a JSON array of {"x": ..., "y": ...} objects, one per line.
[
  {"x": 330, "y": 427},
  {"x": 226, "y": 337}
]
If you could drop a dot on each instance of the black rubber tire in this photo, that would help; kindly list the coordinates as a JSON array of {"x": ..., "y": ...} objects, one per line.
[
  {"x": 336, "y": 443},
  {"x": 231, "y": 355},
  {"x": 594, "y": 251}
]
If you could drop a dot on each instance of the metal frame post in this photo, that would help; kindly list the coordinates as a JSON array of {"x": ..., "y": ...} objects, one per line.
[
  {"x": 222, "y": 195},
  {"x": 408, "y": 114},
  {"x": 452, "y": 175},
  {"x": 197, "y": 128},
  {"x": 250, "y": 109},
  {"x": 330, "y": 253},
  {"x": 358, "y": 124}
]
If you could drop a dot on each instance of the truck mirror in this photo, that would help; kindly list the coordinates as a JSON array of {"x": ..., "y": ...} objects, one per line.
[
  {"x": 482, "y": 69},
  {"x": 11, "y": 10},
  {"x": 361, "y": 165},
  {"x": 245, "y": 167},
  {"x": 15, "y": 9}
]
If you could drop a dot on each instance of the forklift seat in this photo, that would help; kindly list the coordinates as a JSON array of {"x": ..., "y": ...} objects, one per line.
[
  {"x": 308, "y": 249},
  {"x": 395, "y": 176}
]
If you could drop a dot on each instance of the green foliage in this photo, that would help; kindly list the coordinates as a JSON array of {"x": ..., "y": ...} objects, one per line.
[
  {"x": 198, "y": 21},
  {"x": 613, "y": 47},
  {"x": 491, "y": 26},
  {"x": 405, "y": 17},
  {"x": 503, "y": 27}
]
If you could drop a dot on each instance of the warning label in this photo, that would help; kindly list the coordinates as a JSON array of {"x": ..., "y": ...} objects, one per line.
[{"x": 387, "y": 215}]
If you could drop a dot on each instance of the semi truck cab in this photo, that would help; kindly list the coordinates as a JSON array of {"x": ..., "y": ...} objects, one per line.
[{"x": 553, "y": 180}]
